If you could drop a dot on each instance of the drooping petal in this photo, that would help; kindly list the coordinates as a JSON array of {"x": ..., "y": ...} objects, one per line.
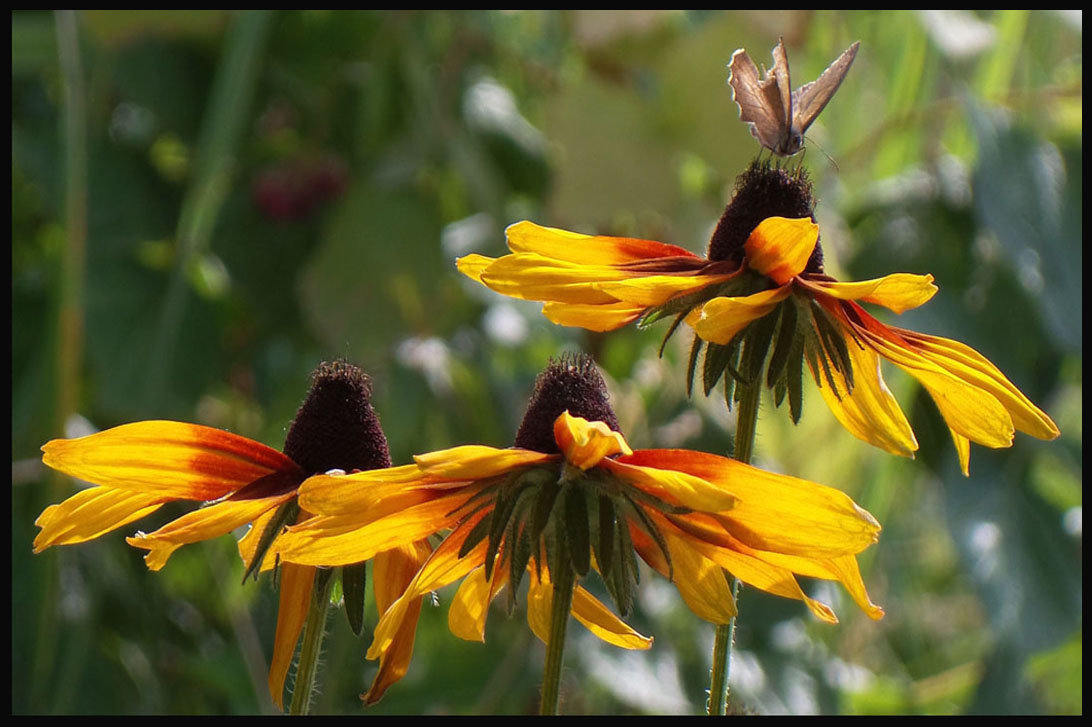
[
  {"x": 586, "y": 609},
  {"x": 897, "y": 292},
  {"x": 753, "y": 571},
  {"x": 720, "y": 319},
  {"x": 91, "y": 513},
  {"x": 701, "y": 582},
  {"x": 392, "y": 573},
  {"x": 673, "y": 486},
  {"x": 208, "y": 522},
  {"x": 869, "y": 411},
  {"x": 604, "y": 317},
  {"x": 469, "y": 608},
  {"x": 843, "y": 569},
  {"x": 357, "y": 494},
  {"x": 585, "y": 443},
  {"x": 296, "y": 582},
  {"x": 171, "y": 460},
  {"x": 444, "y": 566},
  {"x": 773, "y": 511},
  {"x": 968, "y": 410},
  {"x": 779, "y": 247},
  {"x": 573, "y": 247},
  {"x": 963, "y": 361}
]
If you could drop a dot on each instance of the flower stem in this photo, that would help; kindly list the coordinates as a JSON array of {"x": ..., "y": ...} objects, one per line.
[
  {"x": 560, "y": 605},
  {"x": 746, "y": 422},
  {"x": 313, "y": 631}
]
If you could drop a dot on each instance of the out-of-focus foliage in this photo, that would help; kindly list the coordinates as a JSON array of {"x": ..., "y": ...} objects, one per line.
[{"x": 265, "y": 191}]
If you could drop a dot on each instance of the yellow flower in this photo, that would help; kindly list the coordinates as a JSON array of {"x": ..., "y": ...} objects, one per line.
[
  {"x": 573, "y": 489},
  {"x": 762, "y": 296},
  {"x": 136, "y": 468}
]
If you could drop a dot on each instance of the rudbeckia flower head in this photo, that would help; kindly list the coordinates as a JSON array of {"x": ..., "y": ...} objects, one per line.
[
  {"x": 763, "y": 311},
  {"x": 572, "y": 497},
  {"x": 136, "y": 468}
]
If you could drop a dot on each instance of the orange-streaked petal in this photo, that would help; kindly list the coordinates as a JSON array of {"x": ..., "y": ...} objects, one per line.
[
  {"x": 468, "y": 611},
  {"x": 91, "y": 513},
  {"x": 779, "y": 247},
  {"x": 444, "y": 566},
  {"x": 168, "y": 459},
  {"x": 701, "y": 582},
  {"x": 475, "y": 462},
  {"x": 392, "y": 573},
  {"x": 586, "y": 443},
  {"x": 870, "y": 411},
  {"x": 968, "y": 410},
  {"x": 843, "y": 569},
  {"x": 296, "y": 582},
  {"x": 674, "y": 486},
  {"x": 208, "y": 522},
  {"x": 754, "y": 571},
  {"x": 897, "y": 292},
  {"x": 573, "y": 247},
  {"x": 774, "y": 512},
  {"x": 720, "y": 319},
  {"x": 963, "y": 361},
  {"x": 653, "y": 290},
  {"x": 602, "y": 317},
  {"x": 330, "y": 541}
]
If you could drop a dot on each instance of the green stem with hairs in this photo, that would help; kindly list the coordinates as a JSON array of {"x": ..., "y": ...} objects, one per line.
[
  {"x": 746, "y": 423},
  {"x": 560, "y": 606},
  {"x": 313, "y": 631}
]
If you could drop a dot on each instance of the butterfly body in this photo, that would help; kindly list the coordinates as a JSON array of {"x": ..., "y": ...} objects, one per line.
[{"x": 778, "y": 116}]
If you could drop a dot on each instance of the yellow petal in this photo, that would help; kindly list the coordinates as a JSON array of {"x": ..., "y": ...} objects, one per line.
[
  {"x": 330, "y": 541},
  {"x": 963, "y": 361},
  {"x": 474, "y": 462},
  {"x": 171, "y": 460},
  {"x": 597, "y": 618},
  {"x": 394, "y": 569},
  {"x": 444, "y": 566},
  {"x": 533, "y": 277},
  {"x": 469, "y": 608},
  {"x": 358, "y": 493},
  {"x": 870, "y": 411},
  {"x": 701, "y": 582},
  {"x": 779, "y": 247},
  {"x": 674, "y": 486},
  {"x": 720, "y": 319},
  {"x": 573, "y": 247},
  {"x": 395, "y": 661},
  {"x": 602, "y": 317},
  {"x": 969, "y": 410},
  {"x": 897, "y": 292},
  {"x": 653, "y": 290},
  {"x": 774, "y": 512},
  {"x": 473, "y": 265},
  {"x": 756, "y": 572},
  {"x": 585, "y": 443},
  {"x": 203, "y": 524},
  {"x": 295, "y": 601},
  {"x": 91, "y": 513}
]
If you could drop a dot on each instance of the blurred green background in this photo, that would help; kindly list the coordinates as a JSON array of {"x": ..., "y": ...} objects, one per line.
[{"x": 205, "y": 205}]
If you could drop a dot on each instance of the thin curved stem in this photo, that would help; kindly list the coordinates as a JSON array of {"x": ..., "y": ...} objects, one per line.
[
  {"x": 313, "y": 631},
  {"x": 560, "y": 605},
  {"x": 746, "y": 423}
]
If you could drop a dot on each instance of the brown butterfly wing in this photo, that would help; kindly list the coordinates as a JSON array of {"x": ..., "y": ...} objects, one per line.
[
  {"x": 760, "y": 100},
  {"x": 811, "y": 98}
]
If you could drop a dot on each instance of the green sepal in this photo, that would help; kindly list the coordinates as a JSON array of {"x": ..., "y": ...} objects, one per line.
[
  {"x": 285, "y": 515},
  {"x": 576, "y": 527},
  {"x": 354, "y": 580}
]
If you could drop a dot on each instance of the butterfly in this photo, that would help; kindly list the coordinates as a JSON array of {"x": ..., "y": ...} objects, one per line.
[{"x": 778, "y": 119}]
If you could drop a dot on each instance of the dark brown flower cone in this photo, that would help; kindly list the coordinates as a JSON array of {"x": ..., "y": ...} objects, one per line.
[{"x": 570, "y": 383}]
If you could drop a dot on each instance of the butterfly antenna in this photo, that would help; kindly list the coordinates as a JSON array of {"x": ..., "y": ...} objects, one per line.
[{"x": 828, "y": 156}]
